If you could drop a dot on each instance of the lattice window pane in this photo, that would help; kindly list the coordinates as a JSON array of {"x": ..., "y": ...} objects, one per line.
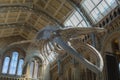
[
  {"x": 76, "y": 19},
  {"x": 97, "y": 9}
]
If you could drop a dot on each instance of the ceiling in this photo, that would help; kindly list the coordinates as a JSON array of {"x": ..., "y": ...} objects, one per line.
[{"x": 25, "y": 17}]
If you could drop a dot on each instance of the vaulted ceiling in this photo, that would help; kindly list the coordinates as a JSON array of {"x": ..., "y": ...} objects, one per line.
[{"x": 25, "y": 17}]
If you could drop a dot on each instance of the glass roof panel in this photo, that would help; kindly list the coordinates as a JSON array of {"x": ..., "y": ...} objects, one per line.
[
  {"x": 97, "y": 9},
  {"x": 96, "y": 2},
  {"x": 76, "y": 20}
]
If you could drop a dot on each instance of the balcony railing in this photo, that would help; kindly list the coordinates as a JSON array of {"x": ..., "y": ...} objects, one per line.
[{"x": 15, "y": 78}]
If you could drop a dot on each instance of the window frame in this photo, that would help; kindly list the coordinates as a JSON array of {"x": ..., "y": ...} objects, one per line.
[
  {"x": 21, "y": 66},
  {"x": 14, "y": 59},
  {"x": 79, "y": 17},
  {"x": 33, "y": 69},
  {"x": 7, "y": 65},
  {"x": 8, "y": 53},
  {"x": 106, "y": 8}
]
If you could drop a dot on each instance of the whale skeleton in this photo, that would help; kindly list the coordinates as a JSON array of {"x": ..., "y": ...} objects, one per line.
[
  {"x": 54, "y": 39},
  {"x": 57, "y": 37}
]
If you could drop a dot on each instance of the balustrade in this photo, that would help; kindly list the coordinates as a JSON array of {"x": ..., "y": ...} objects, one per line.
[{"x": 15, "y": 78}]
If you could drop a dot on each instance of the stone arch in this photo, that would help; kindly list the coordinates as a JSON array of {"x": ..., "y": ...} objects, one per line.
[
  {"x": 12, "y": 48},
  {"x": 33, "y": 54},
  {"x": 30, "y": 59},
  {"x": 106, "y": 46},
  {"x": 7, "y": 52}
]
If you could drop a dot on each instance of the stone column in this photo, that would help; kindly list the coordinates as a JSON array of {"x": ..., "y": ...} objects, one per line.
[
  {"x": 61, "y": 77},
  {"x": 1, "y": 64},
  {"x": 76, "y": 72},
  {"x": 40, "y": 72},
  {"x": 46, "y": 72},
  {"x": 27, "y": 71},
  {"x": 118, "y": 2},
  {"x": 75, "y": 69},
  {"x": 119, "y": 43}
]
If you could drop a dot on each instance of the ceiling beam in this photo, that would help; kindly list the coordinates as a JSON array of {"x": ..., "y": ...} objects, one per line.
[
  {"x": 10, "y": 25},
  {"x": 34, "y": 9},
  {"x": 17, "y": 24},
  {"x": 43, "y": 12},
  {"x": 15, "y": 5},
  {"x": 30, "y": 26}
]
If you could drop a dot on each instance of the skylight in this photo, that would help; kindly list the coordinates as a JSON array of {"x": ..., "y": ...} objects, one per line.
[
  {"x": 97, "y": 9},
  {"x": 76, "y": 20}
]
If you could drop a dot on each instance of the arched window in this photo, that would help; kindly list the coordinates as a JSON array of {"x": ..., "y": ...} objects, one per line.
[
  {"x": 34, "y": 69},
  {"x": 31, "y": 69},
  {"x": 5, "y": 65},
  {"x": 13, "y": 65},
  {"x": 19, "y": 71}
]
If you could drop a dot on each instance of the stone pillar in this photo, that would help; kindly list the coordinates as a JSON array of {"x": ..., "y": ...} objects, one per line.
[
  {"x": 118, "y": 2},
  {"x": 93, "y": 39},
  {"x": 46, "y": 72},
  {"x": 119, "y": 43},
  {"x": 24, "y": 72},
  {"x": 59, "y": 66},
  {"x": 40, "y": 72},
  {"x": 76, "y": 72},
  {"x": 27, "y": 71},
  {"x": 61, "y": 77},
  {"x": 1, "y": 64}
]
